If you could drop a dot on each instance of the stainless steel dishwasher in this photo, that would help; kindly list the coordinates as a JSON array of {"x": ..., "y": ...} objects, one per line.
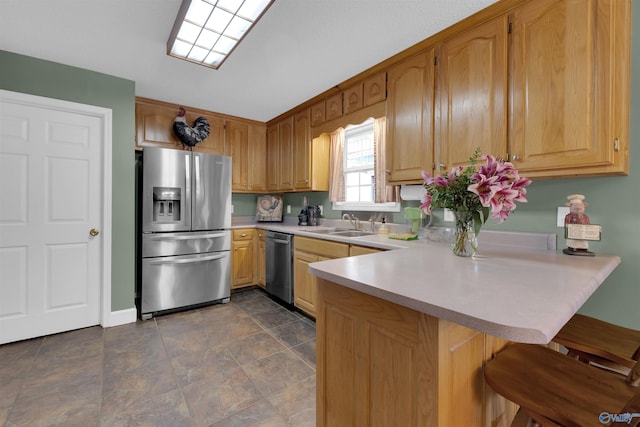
[{"x": 279, "y": 254}]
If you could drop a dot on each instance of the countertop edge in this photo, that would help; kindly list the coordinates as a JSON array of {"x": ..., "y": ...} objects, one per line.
[{"x": 540, "y": 335}]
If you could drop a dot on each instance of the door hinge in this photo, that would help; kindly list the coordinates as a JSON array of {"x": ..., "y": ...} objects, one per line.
[
  {"x": 509, "y": 28},
  {"x": 435, "y": 60}
]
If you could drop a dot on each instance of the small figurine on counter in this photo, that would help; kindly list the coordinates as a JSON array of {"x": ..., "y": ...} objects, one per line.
[{"x": 576, "y": 215}]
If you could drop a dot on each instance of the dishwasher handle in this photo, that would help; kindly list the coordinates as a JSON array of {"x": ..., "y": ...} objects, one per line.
[{"x": 286, "y": 242}]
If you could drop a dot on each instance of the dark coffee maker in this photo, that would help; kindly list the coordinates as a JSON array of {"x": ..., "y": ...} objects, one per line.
[
  {"x": 313, "y": 213},
  {"x": 303, "y": 217}
]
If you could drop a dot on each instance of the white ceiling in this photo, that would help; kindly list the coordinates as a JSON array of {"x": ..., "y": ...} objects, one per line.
[{"x": 298, "y": 49}]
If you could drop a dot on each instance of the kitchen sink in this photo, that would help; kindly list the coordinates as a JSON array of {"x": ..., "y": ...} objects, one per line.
[
  {"x": 326, "y": 230},
  {"x": 345, "y": 232},
  {"x": 352, "y": 233}
]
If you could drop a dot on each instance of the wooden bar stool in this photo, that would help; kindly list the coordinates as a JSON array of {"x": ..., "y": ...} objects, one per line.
[
  {"x": 593, "y": 340},
  {"x": 556, "y": 390}
]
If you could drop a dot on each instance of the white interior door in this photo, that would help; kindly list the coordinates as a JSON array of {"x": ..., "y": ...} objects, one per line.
[{"x": 51, "y": 173}]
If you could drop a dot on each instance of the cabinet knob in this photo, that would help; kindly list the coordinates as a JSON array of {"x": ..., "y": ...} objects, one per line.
[
  {"x": 442, "y": 165},
  {"x": 387, "y": 171},
  {"x": 94, "y": 232},
  {"x": 515, "y": 157},
  {"x": 243, "y": 235}
]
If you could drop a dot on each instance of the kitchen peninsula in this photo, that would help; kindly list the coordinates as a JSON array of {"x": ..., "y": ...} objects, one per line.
[{"x": 402, "y": 335}]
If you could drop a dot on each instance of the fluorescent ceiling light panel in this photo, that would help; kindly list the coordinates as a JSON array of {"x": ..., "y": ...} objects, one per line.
[{"x": 207, "y": 31}]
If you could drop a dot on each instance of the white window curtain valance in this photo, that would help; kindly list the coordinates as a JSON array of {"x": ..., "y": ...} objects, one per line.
[{"x": 383, "y": 193}]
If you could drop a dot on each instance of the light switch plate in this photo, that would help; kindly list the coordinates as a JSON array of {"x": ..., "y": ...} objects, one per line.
[
  {"x": 288, "y": 208},
  {"x": 562, "y": 212}
]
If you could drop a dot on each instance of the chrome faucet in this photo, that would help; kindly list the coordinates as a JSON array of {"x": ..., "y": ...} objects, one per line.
[{"x": 353, "y": 220}]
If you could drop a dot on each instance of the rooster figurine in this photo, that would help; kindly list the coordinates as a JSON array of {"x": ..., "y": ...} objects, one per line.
[{"x": 190, "y": 136}]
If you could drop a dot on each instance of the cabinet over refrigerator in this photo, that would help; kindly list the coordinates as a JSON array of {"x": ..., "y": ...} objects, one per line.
[{"x": 186, "y": 230}]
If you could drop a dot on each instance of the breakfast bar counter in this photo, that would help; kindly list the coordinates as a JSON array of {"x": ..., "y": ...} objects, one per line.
[
  {"x": 403, "y": 335},
  {"x": 513, "y": 293}
]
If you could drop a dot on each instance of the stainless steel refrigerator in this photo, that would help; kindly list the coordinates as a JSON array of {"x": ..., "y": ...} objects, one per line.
[{"x": 186, "y": 230}]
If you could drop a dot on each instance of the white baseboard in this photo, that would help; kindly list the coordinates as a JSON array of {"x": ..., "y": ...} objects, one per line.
[{"x": 120, "y": 317}]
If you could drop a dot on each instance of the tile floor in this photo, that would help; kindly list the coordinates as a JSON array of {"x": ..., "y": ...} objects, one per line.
[{"x": 247, "y": 363}]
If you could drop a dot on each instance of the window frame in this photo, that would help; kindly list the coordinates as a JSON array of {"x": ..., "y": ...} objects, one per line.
[{"x": 368, "y": 206}]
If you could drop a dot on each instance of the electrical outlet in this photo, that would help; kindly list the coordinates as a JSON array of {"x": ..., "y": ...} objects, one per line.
[
  {"x": 321, "y": 209},
  {"x": 288, "y": 208},
  {"x": 562, "y": 212},
  {"x": 231, "y": 208},
  {"x": 448, "y": 215}
]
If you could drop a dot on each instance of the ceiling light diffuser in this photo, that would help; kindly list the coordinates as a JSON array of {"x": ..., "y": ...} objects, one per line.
[{"x": 207, "y": 31}]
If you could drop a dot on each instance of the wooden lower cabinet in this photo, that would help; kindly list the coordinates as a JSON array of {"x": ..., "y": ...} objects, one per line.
[
  {"x": 242, "y": 258},
  {"x": 306, "y": 251},
  {"x": 355, "y": 250},
  {"x": 381, "y": 364}
]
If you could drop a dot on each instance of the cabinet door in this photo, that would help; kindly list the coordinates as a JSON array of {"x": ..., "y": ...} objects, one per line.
[
  {"x": 562, "y": 84},
  {"x": 355, "y": 250},
  {"x": 215, "y": 142},
  {"x": 285, "y": 137},
  {"x": 237, "y": 142},
  {"x": 257, "y": 163},
  {"x": 305, "y": 288},
  {"x": 318, "y": 113},
  {"x": 154, "y": 126},
  {"x": 410, "y": 119},
  {"x": 472, "y": 95},
  {"x": 353, "y": 99},
  {"x": 273, "y": 158},
  {"x": 242, "y": 263},
  {"x": 375, "y": 89},
  {"x": 334, "y": 107},
  {"x": 302, "y": 151}
]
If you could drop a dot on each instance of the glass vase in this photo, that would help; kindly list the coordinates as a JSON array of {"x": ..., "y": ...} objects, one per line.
[{"x": 465, "y": 242}]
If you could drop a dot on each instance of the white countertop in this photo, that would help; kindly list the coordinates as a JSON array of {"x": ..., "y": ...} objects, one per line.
[
  {"x": 516, "y": 294},
  {"x": 519, "y": 287}
]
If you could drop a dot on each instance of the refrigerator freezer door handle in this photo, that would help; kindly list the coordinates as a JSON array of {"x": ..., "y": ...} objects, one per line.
[
  {"x": 189, "y": 260},
  {"x": 199, "y": 236}
]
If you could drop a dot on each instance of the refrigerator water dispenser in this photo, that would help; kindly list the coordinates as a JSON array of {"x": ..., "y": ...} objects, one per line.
[{"x": 166, "y": 204}]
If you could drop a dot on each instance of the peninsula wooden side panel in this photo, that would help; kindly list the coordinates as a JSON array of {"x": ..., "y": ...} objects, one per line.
[{"x": 381, "y": 364}]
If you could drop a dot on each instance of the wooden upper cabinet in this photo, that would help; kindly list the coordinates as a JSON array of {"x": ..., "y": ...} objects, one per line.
[
  {"x": 409, "y": 142},
  {"x": 246, "y": 144},
  {"x": 374, "y": 89},
  {"x": 285, "y": 148},
  {"x": 154, "y": 126},
  {"x": 318, "y": 114},
  {"x": 257, "y": 158},
  {"x": 352, "y": 99},
  {"x": 334, "y": 107},
  {"x": 472, "y": 88},
  {"x": 302, "y": 150},
  {"x": 273, "y": 158},
  {"x": 237, "y": 141},
  {"x": 570, "y": 62}
]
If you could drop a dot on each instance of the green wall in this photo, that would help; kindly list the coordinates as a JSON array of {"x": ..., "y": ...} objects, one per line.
[{"x": 24, "y": 74}]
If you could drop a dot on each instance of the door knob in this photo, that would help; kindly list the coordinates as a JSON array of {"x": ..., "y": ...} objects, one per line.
[{"x": 94, "y": 232}]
